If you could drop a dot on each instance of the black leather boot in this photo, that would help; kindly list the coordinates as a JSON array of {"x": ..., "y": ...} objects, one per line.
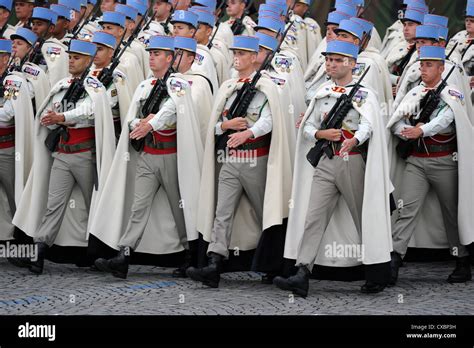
[
  {"x": 395, "y": 263},
  {"x": 268, "y": 278},
  {"x": 209, "y": 275},
  {"x": 36, "y": 266},
  {"x": 298, "y": 284},
  {"x": 22, "y": 262},
  {"x": 117, "y": 265},
  {"x": 462, "y": 272},
  {"x": 371, "y": 288},
  {"x": 181, "y": 271}
]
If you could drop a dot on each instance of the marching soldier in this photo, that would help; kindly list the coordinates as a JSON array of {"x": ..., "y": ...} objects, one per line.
[
  {"x": 114, "y": 23},
  {"x": 62, "y": 24},
  {"x": 315, "y": 71},
  {"x": 185, "y": 23},
  {"x": 252, "y": 165},
  {"x": 38, "y": 83},
  {"x": 354, "y": 184},
  {"x": 118, "y": 88},
  {"x": 438, "y": 168},
  {"x": 394, "y": 33},
  {"x": 23, "y": 11},
  {"x": 5, "y": 9},
  {"x": 239, "y": 22},
  {"x": 16, "y": 134},
  {"x": 428, "y": 35},
  {"x": 159, "y": 25},
  {"x": 53, "y": 58},
  {"x": 79, "y": 132},
  {"x": 162, "y": 219}
]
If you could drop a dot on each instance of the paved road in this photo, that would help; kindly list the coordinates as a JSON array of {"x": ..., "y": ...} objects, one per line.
[{"x": 66, "y": 289}]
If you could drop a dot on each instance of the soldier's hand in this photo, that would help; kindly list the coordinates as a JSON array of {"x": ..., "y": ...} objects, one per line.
[
  {"x": 329, "y": 134},
  {"x": 148, "y": 118},
  {"x": 140, "y": 131},
  {"x": 237, "y": 139},
  {"x": 51, "y": 118},
  {"x": 412, "y": 133},
  {"x": 238, "y": 123},
  {"x": 347, "y": 146},
  {"x": 300, "y": 119},
  {"x": 471, "y": 82}
]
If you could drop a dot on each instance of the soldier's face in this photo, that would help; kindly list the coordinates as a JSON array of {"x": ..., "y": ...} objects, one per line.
[
  {"x": 39, "y": 27},
  {"x": 431, "y": 71},
  {"x": 103, "y": 56},
  {"x": 20, "y": 48},
  {"x": 112, "y": 29},
  {"x": 300, "y": 9},
  {"x": 409, "y": 30},
  {"x": 78, "y": 63},
  {"x": 181, "y": 4},
  {"x": 262, "y": 54},
  {"x": 469, "y": 21},
  {"x": 107, "y": 5},
  {"x": 183, "y": 29},
  {"x": 330, "y": 34},
  {"x": 203, "y": 33},
  {"x": 159, "y": 60},
  {"x": 23, "y": 10},
  {"x": 60, "y": 26},
  {"x": 235, "y": 7},
  {"x": 244, "y": 60},
  {"x": 344, "y": 36},
  {"x": 4, "y": 61},
  {"x": 161, "y": 7},
  {"x": 424, "y": 42},
  {"x": 338, "y": 66}
]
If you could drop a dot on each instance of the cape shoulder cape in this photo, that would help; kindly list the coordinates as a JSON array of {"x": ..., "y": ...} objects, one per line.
[
  {"x": 430, "y": 232},
  {"x": 161, "y": 236},
  {"x": 57, "y": 59},
  {"x": 204, "y": 64},
  {"x": 313, "y": 36},
  {"x": 246, "y": 232},
  {"x": 316, "y": 60},
  {"x": 35, "y": 196},
  {"x": 39, "y": 80},
  {"x": 15, "y": 83},
  {"x": 376, "y": 228}
]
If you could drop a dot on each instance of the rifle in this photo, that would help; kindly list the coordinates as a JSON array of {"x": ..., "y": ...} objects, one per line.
[
  {"x": 218, "y": 23},
  {"x": 333, "y": 120},
  {"x": 106, "y": 74},
  {"x": 2, "y": 31},
  {"x": 78, "y": 27},
  {"x": 452, "y": 50},
  {"x": 152, "y": 104},
  {"x": 404, "y": 62},
  {"x": 467, "y": 48},
  {"x": 73, "y": 94},
  {"x": 238, "y": 25},
  {"x": 428, "y": 104},
  {"x": 5, "y": 73},
  {"x": 289, "y": 11},
  {"x": 246, "y": 93},
  {"x": 165, "y": 25}
]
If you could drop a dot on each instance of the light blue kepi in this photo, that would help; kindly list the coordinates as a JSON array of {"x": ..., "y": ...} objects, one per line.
[
  {"x": 85, "y": 48},
  {"x": 161, "y": 42},
  {"x": 342, "y": 48},
  {"x": 245, "y": 43},
  {"x": 185, "y": 43},
  {"x": 432, "y": 53},
  {"x": 5, "y": 46}
]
